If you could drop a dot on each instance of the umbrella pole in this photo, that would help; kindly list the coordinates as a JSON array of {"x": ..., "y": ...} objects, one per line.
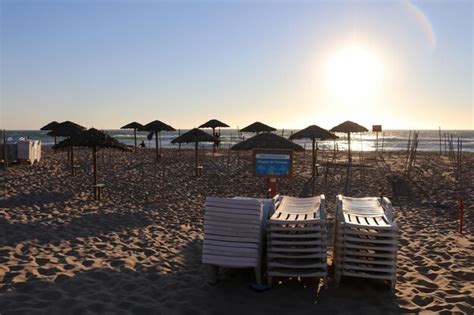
[
  {"x": 349, "y": 146},
  {"x": 196, "y": 159},
  {"x": 94, "y": 171},
  {"x": 135, "y": 137},
  {"x": 313, "y": 166},
  {"x": 72, "y": 160},
  {"x": 214, "y": 135},
  {"x": 55, "y": 140},
  {"x": 316, "y": 159},
  {"x": 156, "y": 145}
]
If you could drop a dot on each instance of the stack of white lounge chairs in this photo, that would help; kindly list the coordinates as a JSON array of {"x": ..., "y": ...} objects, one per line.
[
  {"x": 365, "y": 239},
  {"x": 233, "y": 234},
  {"x": 297, "y": 239}
]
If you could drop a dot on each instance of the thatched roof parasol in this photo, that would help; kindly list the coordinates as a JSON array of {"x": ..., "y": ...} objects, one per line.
[
  {"x": 348, "y": 127},
  {"x": 214, "y": 123},
  {"x": 94, "y": 139},
  {"x": 66, "y": 129},
  {"x": 267, "y": 141},
  {"x": 133, "y": 125},
  {"x": 156, "y": 127},
  {"x": 91, "y": 138},
  {"x": 195, "y": 135},
  {"x": 258, "y": 127},
  {"x": 313, "y": 132},
  {"x": 50, "y": 126}
]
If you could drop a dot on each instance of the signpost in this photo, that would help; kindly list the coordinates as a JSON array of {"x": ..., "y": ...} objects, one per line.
[
  {"x": 272, "y": 164},
  {"x": 376, "y": 129}
]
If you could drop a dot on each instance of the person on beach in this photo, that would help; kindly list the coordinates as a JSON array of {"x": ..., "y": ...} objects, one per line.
[{"x": 142, "y": 145}]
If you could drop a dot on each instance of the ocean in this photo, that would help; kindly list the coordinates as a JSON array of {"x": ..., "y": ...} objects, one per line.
[{"x": 392, "y": 140}]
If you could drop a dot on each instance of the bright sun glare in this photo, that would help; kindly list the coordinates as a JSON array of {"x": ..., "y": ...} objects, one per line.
[{"x": 353, "y": 73}]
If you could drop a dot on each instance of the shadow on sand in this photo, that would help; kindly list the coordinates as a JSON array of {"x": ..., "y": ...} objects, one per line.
[
  {"x": 87, "y": 225},
  {"x": 185, "y": 291},
  {"x": 34, "y": 198}
]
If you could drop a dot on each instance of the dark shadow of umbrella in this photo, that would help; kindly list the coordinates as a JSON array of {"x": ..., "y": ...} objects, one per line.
[
  {"x": 84, "y": 226},
  {"x": 34, "y": 198}
]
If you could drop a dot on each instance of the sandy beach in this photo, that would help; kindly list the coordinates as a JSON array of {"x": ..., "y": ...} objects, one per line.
[{"x": 138, "y": 250}]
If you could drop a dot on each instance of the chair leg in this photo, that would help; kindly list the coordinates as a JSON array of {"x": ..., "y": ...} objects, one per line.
[
  {"x": 337, "y": 276},
  {"x": 269, "y": 281},
  {"x": 258, "y": 275},
  {"x": 393, "y": 283},
  {"x": 212, "y": 272}
]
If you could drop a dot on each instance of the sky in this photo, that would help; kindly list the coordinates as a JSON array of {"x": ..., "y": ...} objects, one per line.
[{"x": 102, "y": 64}]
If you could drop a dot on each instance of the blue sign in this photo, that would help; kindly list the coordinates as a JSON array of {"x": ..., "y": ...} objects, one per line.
[{"x": 273, "y": 164}]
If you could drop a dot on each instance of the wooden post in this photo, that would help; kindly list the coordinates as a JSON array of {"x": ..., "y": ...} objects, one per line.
[
  {"x": 72, "y": 160},
  {"x": 135, "y": 137},
  {"x": 214, "y": 146},
  {"x": 440, "y": 152},
  {"x": 156, "y": 147},
  {"x": 313, "y": 164},
  {"x": 383, "y": 139},
  {"x": 5, "y": 150},
  {"x": 196, "y": 158},
  {"x": 55, "y": 142},
  {"x": 179, "y": 145},
  {"x": 94, "y": 171},
  {"x": 349, "y": 146}
]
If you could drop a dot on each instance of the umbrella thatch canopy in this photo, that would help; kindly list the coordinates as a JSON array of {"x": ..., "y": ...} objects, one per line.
[
  {"x": 67, "y": 129},
  {"x": 133, "y": 125},
  {"x": 348, "y": 127},
  {"x": 214, "y": 123},
  {"x": 50, "y": 127},
  {"x": 267, "y": 141},
  {"x": 258, "y": 127},
  {"x": 94, "y": 139},
  {"x": 155, "y": 127},
  {"x": 313, "y": 132},
  {"x": 194, "y": 135}
]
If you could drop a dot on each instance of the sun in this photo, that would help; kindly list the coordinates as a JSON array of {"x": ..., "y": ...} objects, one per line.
[{"x": 353, "y": 73}]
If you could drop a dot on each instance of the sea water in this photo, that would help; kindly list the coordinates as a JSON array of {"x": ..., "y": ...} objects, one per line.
[{"x": 391, "y": 140}]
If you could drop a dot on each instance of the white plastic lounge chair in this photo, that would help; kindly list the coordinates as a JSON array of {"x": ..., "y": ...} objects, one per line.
[
  {"x": 233, "y": 234},
  {"x": 365, "y": 239},
  {"x": 297, "y": 239}
]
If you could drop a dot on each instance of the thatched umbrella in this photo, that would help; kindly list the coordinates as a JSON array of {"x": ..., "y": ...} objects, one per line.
[
  {"x": 257, "y": 127},
  {"x": 348, "y": 127},
  {"x": 155, "y": 127},
  {"x": 313, "y": 132},
  {"x": 214, "y": 123},
  {"x": 50, "y": 127},
  {"x": 67, "y": 129},
  {"x": 195, "y": 135},
  {"x": 267, "y": 141},
  {"x": 94, "y": 139},
  {"x": 133, "y": 125}
]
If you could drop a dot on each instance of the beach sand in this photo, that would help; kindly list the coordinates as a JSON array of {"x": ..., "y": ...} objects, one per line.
[{"x": 139, "y": 249}]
